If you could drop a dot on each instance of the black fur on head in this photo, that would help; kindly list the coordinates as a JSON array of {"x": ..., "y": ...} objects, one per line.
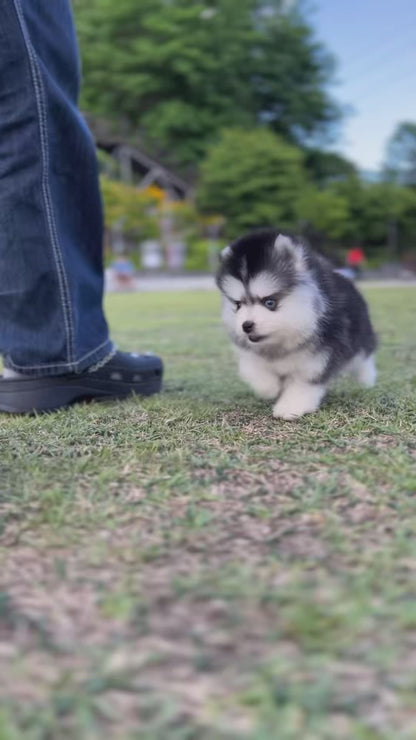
[{"x": 262, "y": 251}]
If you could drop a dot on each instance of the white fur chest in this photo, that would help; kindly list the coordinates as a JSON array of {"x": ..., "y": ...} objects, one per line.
[
  {"x": 303, "y": 364},
  {"x": 263, "y": 373}
]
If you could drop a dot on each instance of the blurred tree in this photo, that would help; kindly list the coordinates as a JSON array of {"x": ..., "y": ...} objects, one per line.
[
  {"x": 181, "y": 71},
  {"x": 290, "y": 75},
  {"x": 389, "y": 217},
  {"x": 407, "y": 225},
  {"x": 380, "y": 208},
  {"x": 324, "y": 211},
  {"x": 253, "y": 178},
  {"x": 134, "y": 211},
  {"x": 400, "y": 165},
  {"x": 325, "y": 168},
  {"x": 352, "y": 190},
  {"x": 381, "y": 215}
]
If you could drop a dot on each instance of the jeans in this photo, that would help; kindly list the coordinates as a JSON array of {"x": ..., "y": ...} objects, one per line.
[{"x": 51, "y": 269}]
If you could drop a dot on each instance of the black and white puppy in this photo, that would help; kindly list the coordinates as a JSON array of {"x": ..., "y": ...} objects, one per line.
[{"x": 296, "y": 323}]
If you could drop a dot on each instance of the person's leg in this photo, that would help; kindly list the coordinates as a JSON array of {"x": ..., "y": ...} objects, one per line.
[
  {"x": 51, "y": 275},
  {"x": 52, "y": 326}
]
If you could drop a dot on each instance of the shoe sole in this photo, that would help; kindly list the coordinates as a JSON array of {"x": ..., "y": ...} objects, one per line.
[{"x": 40, "y": 395}]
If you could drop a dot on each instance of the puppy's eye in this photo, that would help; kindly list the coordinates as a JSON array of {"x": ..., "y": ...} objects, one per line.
[
  {"x": 270, "y": 303},
  {"x": 237, "y": 305}
]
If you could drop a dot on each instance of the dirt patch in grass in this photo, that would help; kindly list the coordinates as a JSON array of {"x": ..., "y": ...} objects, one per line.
[{"x": 191, "y": 597}]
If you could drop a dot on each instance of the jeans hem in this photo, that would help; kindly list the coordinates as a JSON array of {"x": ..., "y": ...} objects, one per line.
[{"x": 64, "y": 368}]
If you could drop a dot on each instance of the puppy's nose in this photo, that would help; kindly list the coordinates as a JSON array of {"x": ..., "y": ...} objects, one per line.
[{"x": 248, "y": 326}]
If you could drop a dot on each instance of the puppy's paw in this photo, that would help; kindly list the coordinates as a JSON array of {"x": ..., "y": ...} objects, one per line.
[
  {"x": 264, "y": 383},
  {"x": 366, "y": 372},
  {"x": 288, "y": 412},
  {"x": 298, "y": 400},
  {"x": 267, "y": 391}
]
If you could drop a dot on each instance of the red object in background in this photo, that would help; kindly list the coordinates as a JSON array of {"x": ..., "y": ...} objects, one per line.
[{"x": 355, "y": 257}]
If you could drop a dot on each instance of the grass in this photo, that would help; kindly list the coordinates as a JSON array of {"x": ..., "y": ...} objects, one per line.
[{"x": 186, "y": 567}]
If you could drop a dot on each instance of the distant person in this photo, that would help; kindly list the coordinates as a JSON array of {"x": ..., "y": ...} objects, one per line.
[
  {"x": 355, "y": 260},
  {"x": 53, "y": 334},
  {"x": 122, "y": 271}
]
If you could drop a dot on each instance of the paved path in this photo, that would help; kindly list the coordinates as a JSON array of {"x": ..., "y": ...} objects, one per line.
[
  {"x": 165, "y": 283},
  {"x": 175, "y": 283},
  {"x": 387, "y": 283},
  {"x": 172, "y": 283}
]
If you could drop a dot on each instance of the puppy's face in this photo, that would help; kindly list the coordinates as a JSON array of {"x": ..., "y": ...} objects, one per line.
[{"x": 268, "y": 295}]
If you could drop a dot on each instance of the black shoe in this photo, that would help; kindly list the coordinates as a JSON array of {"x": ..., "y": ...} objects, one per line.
[{"x": 123, "y": 375}]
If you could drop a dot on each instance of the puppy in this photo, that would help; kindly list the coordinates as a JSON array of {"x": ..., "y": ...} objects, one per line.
[{"x": 295, "y": 323}]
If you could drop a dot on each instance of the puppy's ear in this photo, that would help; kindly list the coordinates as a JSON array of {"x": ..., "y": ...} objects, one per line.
[
  {"x": 226, "y": 252},
  {"x": 287, "y": 248}
]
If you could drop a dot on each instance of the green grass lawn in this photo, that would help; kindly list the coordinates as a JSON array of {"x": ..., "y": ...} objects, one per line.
[{"x": 187, "y": 567}]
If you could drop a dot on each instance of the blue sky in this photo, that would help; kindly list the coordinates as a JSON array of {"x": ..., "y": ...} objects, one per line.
[{"x": 375, "y": 44}]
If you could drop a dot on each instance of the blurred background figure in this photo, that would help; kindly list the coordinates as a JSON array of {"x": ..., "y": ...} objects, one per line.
[
  {"x": 355, "y": 260},
  {"x": 120, "y": 274}
]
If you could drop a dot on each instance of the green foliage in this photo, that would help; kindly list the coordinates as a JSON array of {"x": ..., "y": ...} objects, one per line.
[
  {"x": 139, "y": 214},
  {"x": 380, "y": 205},
  {"x": 108, "y": 165},
  {"x": 325, "y": 168},
  {"x": 378, "y": 209},
  {"x": 400, "y": 166},
  {"x": 407, "y": 224},
  {"x": 326, "y": 211},
  {"x": 182, "y": 71},
  {"x": 253, "y": 178},
  {"x": 133, "y": 211},
  {"x": 256, "y": 179},
  {"x": 184, "y": 217},
  {"x": 290, "y": 75},
  {"x": 198, "y": 258},
  {"x": 8, "y": 730}
]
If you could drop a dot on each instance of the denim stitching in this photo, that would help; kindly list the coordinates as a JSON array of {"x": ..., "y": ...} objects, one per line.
[
  {"x": 43, "y": 134},
  {"x": 69, "y": 365}
]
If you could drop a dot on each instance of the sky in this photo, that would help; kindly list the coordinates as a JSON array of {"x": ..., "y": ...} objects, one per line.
[{"x": 374, "y": 42}]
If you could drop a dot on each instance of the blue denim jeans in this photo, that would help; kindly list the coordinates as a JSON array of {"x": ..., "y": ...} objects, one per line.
[{"x": 51, "y": 271}]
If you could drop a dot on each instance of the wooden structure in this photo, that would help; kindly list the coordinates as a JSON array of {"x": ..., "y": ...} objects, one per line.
[{"x": 135, "y": 165}]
